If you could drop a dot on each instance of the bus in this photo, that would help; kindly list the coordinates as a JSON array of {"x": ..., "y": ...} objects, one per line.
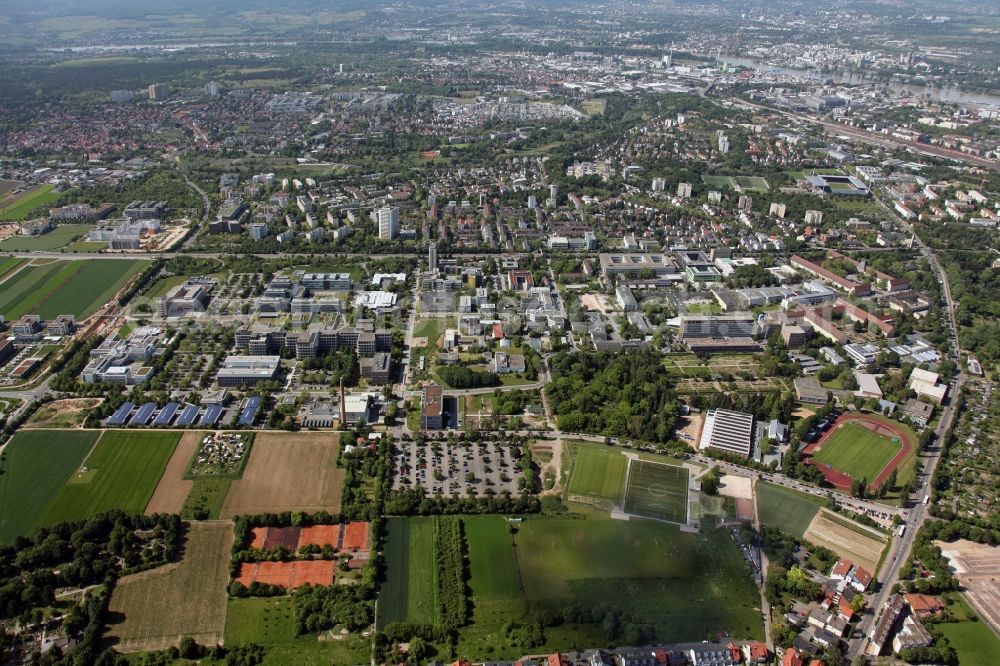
[
  {"x": 902, "y": 529},
  {"x": 927, "y": 498}
]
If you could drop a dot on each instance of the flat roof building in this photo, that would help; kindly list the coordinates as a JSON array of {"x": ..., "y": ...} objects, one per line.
[
  {"x": 432, "y": 408},
  {"x": 238, "y": 370},
  {"x": 728, "y": 431}
]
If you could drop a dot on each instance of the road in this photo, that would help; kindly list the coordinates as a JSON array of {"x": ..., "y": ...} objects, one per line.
[{"x": 900, "y": 549}]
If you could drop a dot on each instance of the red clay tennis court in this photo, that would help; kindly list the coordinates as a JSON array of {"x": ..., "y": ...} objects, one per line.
[
  {"x": 288, "y": 537},
  {"x": 289, "y": 575},
  {"x": 356, "y": 536},
  {"x": 258, "y": 535},
  {"x": 320, "y": 535}
]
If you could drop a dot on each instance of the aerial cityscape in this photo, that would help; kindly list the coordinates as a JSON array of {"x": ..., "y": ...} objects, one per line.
[{"x": 536, "y": 333}]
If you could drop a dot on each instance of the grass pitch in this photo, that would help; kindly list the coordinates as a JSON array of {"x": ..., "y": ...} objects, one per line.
[
  {"x": 123, "y": 471},
  {"x": 39, "y": 462},
  {"x": 857, "y": 451},
  {"x": 598, "y": 474},
  {"x": 409, "y": 591},
  {"x": 785, "y": 509},
  {"x": 657, "y": 491}
]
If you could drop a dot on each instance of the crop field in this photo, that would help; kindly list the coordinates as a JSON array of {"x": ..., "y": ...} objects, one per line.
[
  {"x": 38, "y": 464},
  {"x": 598, "y": 475},
  {"x": 78, "y": 288},
  {"x": 657, "y": 491},
  {"x": 785, "y": 509},
  {"x": 121, "y": 473},
  {"x": 409, "y": 591},
  {"x": 21, "y": 206},
  {"x": 173, "y": 489},
  {"x": 847, "y": 538},
  {"x": 271, "y": 622},
  {"x": 7, "y": 264},
  {"x": 61, "y": 236},
  {"x": 288, "y": 472},
  {"x": 152, "y": 610},
  {"x": 688, "y": 586},
  {"x": 857, "y": 451}
]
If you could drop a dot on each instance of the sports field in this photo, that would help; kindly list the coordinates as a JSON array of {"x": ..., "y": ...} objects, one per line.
[
  {"x": 152, "y": 610},
  {"x": 21, "y": 206},
  {"x": 61, "y": 236},
  {"x": 598, "y": 475},
  {"x": 38, "y": 464},
  {"x": 857, "y": 451},
  {"x": 657, "y": 491},
  {"x": 409, "y": 591},
  {"x": 271, "y": 622},
  {"x": 687, "y": 585},
  {"x": 122, "y": 473},
  {"x": 78, "y": 288},
  {"x": 288, "y": 472},
  {"x": 785, "y": 509},
  {"x": 745, "y": 183}
]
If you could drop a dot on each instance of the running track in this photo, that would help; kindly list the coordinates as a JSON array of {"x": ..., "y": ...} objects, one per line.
[{"x": 843, "y": 481}]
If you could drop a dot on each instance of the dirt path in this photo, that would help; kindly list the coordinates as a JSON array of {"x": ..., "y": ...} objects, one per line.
[
  {"x": 554, "y": 465},
  {"x": 173, "y": 488}
]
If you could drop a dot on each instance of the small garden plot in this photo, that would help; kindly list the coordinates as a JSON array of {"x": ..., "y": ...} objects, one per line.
[{"x": 221, "y": 454}]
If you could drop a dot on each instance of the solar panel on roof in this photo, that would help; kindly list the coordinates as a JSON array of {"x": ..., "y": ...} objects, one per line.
[
  {"x": 143, "y": 415},
  {"x": 166, "y": 414},
  {"x": 249, "y": 413},
  {"x": 212, "y": 415},
  {"x": 188, "y": 415},
  {"x": 121, "y": 414}
]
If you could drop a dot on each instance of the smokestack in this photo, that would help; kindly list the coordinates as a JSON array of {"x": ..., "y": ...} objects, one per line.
[{"x": 343, "y": 405}]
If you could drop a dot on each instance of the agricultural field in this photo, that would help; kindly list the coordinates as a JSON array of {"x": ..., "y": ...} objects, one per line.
[
  {"x": 785, "y": 509},
  {"x": 78, "y": 287},
  {"x": 8, "y": 264},
  {"x": 847, "y": 538},
  {"x": 657, "y": 491},
  {"x": 598, "y": 475},
  {"x": 153, "y": 609},
  {"x": 857, "y": 451},
  {"x": 288, "y": 472},
  {"x": 173, "y": 489},
  {"x": 19, "y": 207},
  {"x": 122, "y": 472},
  {"x": 60, "y": 237},
  {"x": 38, "y": 464},
  {"x": 409, "y": 591},
  {"x": 271, "y": 622},
  {"x": 493, "y": 572}
]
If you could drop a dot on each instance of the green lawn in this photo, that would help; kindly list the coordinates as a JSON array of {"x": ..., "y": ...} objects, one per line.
[
  {"x": 688, "y": 586},
  {"x": 431, "y": 329},
  {"x": 27, "y": 202},
  {"x": 124, "y": 469},
  {"x": 598, "y": 472},
  {"x": 973, "y": 641},
  {"x": 59, "y": 237},
  {"x": 857, "y": 451},
  {"x": 784, "y": 509},
  {"x": 37, "y": 466},
  {"x": 206, "y": 495},
  {"x": 78, "y": 288},
  {"x": 408, "y": 593},
  {"x": 492, "y": 569},
  {"x": 271, "y": 622}
]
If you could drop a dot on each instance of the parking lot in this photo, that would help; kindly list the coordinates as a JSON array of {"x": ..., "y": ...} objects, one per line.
[{"x": 449, "y": 468}]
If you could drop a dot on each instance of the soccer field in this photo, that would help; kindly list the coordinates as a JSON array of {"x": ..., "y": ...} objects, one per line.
[
  {"x": 598, "y": 474},
  {"x": 857, "y": 451},
  {"x": 657, "y": 491}
]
